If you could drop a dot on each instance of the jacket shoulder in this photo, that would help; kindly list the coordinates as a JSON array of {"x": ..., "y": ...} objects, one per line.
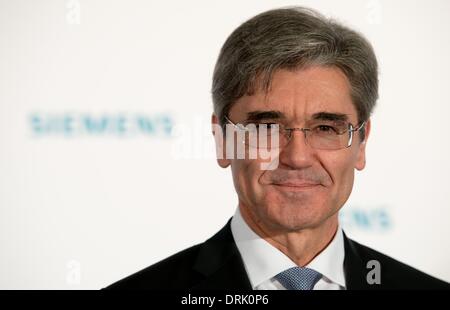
[
  {"x": 395, "y": 274},
  {"x": 174, "y": 272}
]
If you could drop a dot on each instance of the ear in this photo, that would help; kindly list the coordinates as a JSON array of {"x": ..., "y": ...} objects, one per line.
[
  {"x": 217, "y": 132},
  {"x": 361, "y": 159}
]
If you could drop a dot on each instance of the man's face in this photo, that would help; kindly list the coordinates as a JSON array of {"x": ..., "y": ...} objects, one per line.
[{"x": 309, "y": 185}]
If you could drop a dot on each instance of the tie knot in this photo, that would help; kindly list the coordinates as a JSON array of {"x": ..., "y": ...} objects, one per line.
[{"x": 298, "y": 278}]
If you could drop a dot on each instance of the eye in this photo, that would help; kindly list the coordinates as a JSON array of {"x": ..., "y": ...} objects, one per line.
[{"x": 325, "y": 129}]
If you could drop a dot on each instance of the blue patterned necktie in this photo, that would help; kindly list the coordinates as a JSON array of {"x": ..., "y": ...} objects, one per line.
[{"x": 298, "y": 278}]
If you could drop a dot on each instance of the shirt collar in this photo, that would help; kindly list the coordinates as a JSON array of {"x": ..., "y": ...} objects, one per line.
[{"x": 263, "y": 261}]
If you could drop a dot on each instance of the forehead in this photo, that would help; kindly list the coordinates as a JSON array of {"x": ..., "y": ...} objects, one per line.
[{"x": 300, "y": 94}]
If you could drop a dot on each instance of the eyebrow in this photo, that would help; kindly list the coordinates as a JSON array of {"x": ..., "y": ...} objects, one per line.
[
  {"x": 264, "y": 115},
  {"x": 327, "y": 116},
  {"x": 276, "y": 115}
]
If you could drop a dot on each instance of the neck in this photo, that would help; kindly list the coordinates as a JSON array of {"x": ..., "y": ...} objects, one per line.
[{"x": 302, "y": 245}]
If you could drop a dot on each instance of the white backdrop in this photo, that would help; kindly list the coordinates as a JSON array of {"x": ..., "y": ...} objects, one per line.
[{"x": 104, "y": 111}]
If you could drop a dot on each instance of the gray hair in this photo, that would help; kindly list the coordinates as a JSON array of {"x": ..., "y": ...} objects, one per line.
[{"x": 292, "y": 38}]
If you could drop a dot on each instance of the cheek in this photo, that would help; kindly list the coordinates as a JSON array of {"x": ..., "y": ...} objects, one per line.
[
  {"x": 341, "y": 170},
  {"x": 246, "y": 174}
]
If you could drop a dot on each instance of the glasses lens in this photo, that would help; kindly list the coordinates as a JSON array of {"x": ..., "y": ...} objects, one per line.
[
  {"x": 329, "y": 135},
  {"x": 263, "y": 136}
]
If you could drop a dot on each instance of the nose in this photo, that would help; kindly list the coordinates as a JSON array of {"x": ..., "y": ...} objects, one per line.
[{"x": 297, "y": 153}]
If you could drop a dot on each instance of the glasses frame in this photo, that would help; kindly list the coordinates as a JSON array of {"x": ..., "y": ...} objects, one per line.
[{"x": 290, "y": 130}]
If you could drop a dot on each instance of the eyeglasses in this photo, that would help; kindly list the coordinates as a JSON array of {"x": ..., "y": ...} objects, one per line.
[{"x": 321, "y": 134}]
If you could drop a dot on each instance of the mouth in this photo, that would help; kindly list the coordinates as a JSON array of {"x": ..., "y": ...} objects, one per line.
[{"x": 296, "y": 186}]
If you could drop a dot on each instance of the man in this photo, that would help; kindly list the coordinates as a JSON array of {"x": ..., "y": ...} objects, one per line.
[{"x": 296, "y": 91}]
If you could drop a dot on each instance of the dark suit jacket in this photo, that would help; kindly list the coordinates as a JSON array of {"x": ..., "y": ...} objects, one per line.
[{"x": 217, "y": 264}]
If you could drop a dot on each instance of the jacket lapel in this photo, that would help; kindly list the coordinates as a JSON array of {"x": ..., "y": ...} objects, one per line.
[{"x": 355, "y": 267}]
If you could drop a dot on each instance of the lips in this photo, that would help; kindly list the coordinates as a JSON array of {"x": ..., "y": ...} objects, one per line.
[{"x": 296, "y": 185}]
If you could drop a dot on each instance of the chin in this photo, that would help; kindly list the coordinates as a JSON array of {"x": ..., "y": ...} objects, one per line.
[{"x": 294, "y": 217}]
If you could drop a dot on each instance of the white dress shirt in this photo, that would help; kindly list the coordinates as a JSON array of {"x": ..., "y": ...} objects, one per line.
[{"x": 263, "y": 261}]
